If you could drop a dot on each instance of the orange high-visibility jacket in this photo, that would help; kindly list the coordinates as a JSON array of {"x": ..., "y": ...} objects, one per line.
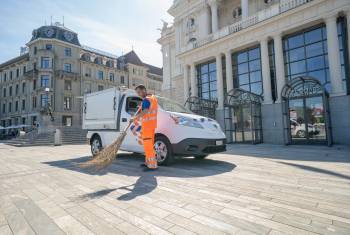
[{"x": 149, "y": 120}]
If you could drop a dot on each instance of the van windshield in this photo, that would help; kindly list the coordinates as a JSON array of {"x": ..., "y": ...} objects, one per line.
[{"x": 171, "y": 106}]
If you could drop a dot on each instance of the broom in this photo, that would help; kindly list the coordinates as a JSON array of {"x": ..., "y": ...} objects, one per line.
[{"x": 106, "y": 156}]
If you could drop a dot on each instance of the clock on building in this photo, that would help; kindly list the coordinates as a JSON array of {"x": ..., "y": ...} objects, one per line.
[
  {"x": 49, "y": 32},
  {"x": 68, "y": 36}
]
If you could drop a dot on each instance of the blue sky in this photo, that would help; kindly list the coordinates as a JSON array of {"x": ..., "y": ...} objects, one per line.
[{"x": 110, "y": 25}]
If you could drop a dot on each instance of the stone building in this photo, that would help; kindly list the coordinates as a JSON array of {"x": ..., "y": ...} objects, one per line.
[
  {"x": 274, "y": 71},
  {"x": 44, "y": 86}
]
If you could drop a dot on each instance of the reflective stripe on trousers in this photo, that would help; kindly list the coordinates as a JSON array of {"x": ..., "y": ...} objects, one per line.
[{"x": 148, "y": 145}]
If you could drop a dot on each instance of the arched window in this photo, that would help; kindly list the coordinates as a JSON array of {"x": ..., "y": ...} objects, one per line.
[{"x": 86, "y": 57}]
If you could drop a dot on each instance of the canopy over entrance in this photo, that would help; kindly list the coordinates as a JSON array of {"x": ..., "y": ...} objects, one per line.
[
  {"x": 243, "y": 117},
  {"x": 203, "y": 107}
]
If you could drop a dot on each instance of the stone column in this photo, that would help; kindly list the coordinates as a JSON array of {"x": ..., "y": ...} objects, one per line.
[
  {"x": 229, "y": 77},
  {"x": 214, "y": 15},
  {"x": 186, "y": 83},
  {"x": 220, "y": 83},
  {"x": 333, "y": 54},
  {"x": 245, "y": 8},
  {"x": 265, "y": 67},
  {"x": 348, "y": 28},
  {"x": 194, "y": 87},
  {"x": 279, "y": 61}
]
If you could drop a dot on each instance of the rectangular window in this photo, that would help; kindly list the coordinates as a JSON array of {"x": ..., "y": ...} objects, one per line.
[
  {"x": 35, "y": 50},
  {"x": 17, "y": 89},
  {"x": 34, "y": 84},
  {"x": 100, "y": 75},
  {"x": 67, "y": 85},
  {"x": 23, "y": 120},
  {"x": 23, "y": 105},
  {"x": 122, "y": 79},
  {"x": 4, "y": 92},
  {"x": 10, "y": 91},
  {"x": 67, "y": 68},
  {"x": 67, "y": 101},
  {"x": 34, "y": 99},
  {"x": 247, "y": 70},
  {"x": 111, "y": 77},
  {"x": 305, "y": 54},
  {"x": 5, "y": 76},
  {"x": 100, "y": 88},
  {"x": 67, "y": 120},
  {"x": 68, "y": 52},
  {"x": 17, "y": 73},
  {"x": 23, "y": 87},
  {"x": 16, "y": 106},
  {"x": 44, "y": 100},
  {"x": 10, "y": 107},
  {"x": 11, "y": 75},
  {"x": 344, "y": 55},
  {"x": 45, "y": 62},
  {"x": 272, "y": 64},
  {"x": 48, "y": 46},
  {"x": 3, "y": 108},
  {"x": 24, "y": 69},
  {"x": 45, "y": 81},
  {"x": 206, "y": 77}
]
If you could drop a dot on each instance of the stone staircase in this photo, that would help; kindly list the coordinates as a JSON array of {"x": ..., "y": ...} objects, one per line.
[
  {"x": 68, "y": 136},
  {"x": 73, "y": 136}
]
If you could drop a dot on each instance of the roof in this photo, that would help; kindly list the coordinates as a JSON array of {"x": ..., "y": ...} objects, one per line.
[
  {"x": 132, "y": 58},
  {"x": 154, "y": 70},
  {"x": 56, "y": 32},
  {"x": 14, "y": 60}
]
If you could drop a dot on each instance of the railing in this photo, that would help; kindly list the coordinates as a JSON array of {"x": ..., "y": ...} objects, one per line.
[
  {"x": 273, "y": 10},
  {"x": 66, "y": 74}
]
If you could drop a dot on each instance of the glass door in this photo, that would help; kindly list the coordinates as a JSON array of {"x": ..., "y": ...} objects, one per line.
[
  {"x": 307, "y": 120},
  {"x": 243, "y": 124}
]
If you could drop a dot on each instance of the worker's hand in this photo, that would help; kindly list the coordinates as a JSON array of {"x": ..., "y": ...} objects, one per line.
[{"x": 132, "y": 120}]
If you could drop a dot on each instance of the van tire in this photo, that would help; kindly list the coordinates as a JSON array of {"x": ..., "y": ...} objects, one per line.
[
  {"x": 169, "y": 158},
  {"x": 95, "y": 142}
]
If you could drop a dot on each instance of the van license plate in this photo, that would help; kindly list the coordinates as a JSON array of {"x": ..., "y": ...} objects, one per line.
[{"x": 219, "y": 142}]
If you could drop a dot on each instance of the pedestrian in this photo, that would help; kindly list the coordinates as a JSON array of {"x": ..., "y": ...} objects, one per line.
[{"x": 147, "y": 114}]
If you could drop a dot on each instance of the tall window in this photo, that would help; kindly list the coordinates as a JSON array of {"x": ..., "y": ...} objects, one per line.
[
  {"x": 23, "y": 104},
  {"x": 10, "y": 107},
  {"x": 4, "y": 92},
  {"x": 272, "y": 63},
  {"x": 67, "y": 85},
  {"x": 11, "y": 75},
  {"x": 16, "y": 106},
  {"x": 23, "y": 87},
  {"x": 206, "y": 76},
  {"x": 68, "y": 52},
  {"x": 44, "y": 100},
  {"x": 3, "y": 108},
  {"x": 344, "y": 56},
  {"x": 67, "y": 103},
  {"x": 34, "y": 101},
  {"x": 17, "y": 73},
  {"x": 247, "y": 70},
  {"x": 17, "y": 89},
  {"x": 34, "y": 84},
  {"x": 45, "y": 62},
  {"x": 67, "y": 67},
  {"x": 122, "y": 80},
  {"x": 100, "y": 75},
  {"x": 305, "y": 53},
  {"x": 45, "y": 81},
  {"x": 111, "y": 77},
  {"x": 10, "y": 91}
]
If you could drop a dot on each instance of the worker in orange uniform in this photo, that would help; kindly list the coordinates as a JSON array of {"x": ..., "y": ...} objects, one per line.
[{"x": 148, "y": 116}]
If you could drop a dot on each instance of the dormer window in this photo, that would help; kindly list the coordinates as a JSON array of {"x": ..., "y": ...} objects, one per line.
[
  {"x": 268, "y": 1},
  {"x": 237, "y": 12}
]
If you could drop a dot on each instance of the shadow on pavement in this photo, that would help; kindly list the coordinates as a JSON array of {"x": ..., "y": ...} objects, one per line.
[
  {"x": 128, "y": 164},
  {"x": 316, "y": 169}
]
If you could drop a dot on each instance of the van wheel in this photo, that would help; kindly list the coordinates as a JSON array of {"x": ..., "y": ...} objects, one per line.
[
  {"x": 164, "y": 152},
  {"x": 96, "y": 145},
  {"x": 199, "y": 157}
]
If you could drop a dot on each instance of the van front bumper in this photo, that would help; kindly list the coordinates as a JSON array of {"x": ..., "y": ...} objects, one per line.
[{"x": 192, "y": 147}]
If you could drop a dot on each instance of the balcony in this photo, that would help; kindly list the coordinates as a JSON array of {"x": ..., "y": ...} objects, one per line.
[
  {"x": 273, "y": 10},
  {"x": 31, "y": 74},
  {"x": 65, "y": 74}
]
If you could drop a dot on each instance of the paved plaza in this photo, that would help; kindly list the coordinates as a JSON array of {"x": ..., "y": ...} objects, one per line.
[{"x": 261, "y": 189}]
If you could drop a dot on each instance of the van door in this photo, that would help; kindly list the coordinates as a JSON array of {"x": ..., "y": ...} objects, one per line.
[{"x": 132, "y": 140}]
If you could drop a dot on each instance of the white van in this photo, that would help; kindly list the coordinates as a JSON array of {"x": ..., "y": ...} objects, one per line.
[{"x": 179, "y": 131}]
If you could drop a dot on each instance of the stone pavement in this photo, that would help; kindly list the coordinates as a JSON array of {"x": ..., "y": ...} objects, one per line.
[{"x": 261, "y": 189}]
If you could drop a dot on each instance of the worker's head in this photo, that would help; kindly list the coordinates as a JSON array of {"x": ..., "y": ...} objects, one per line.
[{"x": 141, "y": 91}]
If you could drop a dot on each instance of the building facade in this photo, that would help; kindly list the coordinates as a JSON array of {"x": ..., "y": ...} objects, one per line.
[
  {"x": 277, "y": 70},
  {"x": 44, "y": 86}
]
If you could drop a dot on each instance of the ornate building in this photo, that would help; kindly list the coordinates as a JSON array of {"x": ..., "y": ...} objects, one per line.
[
  {"x": 45, "y": 84},
  {"x": 274, "y": 71}
]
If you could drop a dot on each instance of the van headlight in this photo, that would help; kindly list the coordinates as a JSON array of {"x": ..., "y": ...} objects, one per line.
[{"x": 184, "y": 121}]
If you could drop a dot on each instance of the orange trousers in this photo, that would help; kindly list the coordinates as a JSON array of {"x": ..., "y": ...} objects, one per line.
[{"x": 148, "y": 145}]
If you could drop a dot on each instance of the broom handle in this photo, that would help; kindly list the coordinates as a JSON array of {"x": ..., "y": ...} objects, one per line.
[{"x": 128, "y": 126}]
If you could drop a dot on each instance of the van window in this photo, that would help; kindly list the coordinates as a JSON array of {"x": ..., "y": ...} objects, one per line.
[
  {"x": 132, "y": 104},
  {"x": 171, "y": 106}
]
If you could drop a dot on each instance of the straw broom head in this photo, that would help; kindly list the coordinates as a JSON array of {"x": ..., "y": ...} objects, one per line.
[{"x": 106, "y": 156}]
